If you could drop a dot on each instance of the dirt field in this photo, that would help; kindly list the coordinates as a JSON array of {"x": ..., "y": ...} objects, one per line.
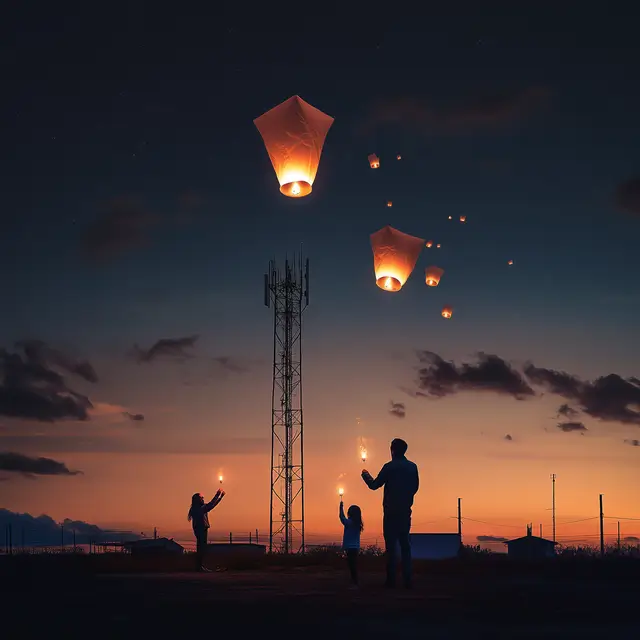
[{"x": 312, "y": 603}]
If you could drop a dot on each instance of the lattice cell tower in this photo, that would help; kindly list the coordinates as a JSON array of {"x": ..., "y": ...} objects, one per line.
[{"x": 288, "y": 292}]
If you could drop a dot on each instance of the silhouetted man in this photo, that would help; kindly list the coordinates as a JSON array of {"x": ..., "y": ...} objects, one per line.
[{"x": 400, "y": 480}]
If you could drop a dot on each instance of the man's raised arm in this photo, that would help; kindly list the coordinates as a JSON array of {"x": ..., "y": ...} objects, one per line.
[{"x": 378, "y": 482}]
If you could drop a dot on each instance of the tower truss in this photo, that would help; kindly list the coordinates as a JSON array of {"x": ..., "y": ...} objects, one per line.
[{"x": 287, "y": 291}]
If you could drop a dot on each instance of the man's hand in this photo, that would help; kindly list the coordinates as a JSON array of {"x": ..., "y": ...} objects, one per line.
[
  {"x": 365, "y": 474},
  {"x": 221, "y": 494},
  {"x": 218, "y": 492}
]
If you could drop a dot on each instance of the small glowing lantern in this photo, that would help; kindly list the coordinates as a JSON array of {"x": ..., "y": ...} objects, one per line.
[
  {"x": 398, "y": 157},
  {"x": 429, "y": 244},
  {"x": 510, "y": 262},
  {"x": 363, "y": 454},
  {"x": 341, "y": 492},
  {"x": 463, "y": 218},
  {"x": 433, "y": 275},
  {"x": 220, "y": 478},
  {"x": 374, "y": 161},
  {"x": 450, "y": 218},
  {"x": 447, "y": 312},
  {"x": 293, "y": 133},
  {"x": 389, "y": 203},
  {"x": 394, "y": 257},
  {"x": 438, "y": 246}
]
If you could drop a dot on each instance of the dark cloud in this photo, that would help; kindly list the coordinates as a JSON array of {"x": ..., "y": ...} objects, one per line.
[
  {"x": 508, "y": 437},
  {"x": 233, "y": 365},
  {"x": 481, "y": 112},
  {"x": 633, "y": 443},
  {"x": 19, "y": 463},
  {"x": 397, "y": 409},
  {"x": 31, "y": 389},
  {"x": 631, "y": 539},
  {"x": 627, "y": 196},
  {"x": 172, "y": 348},
  {"x": 44, "y": 530},
  {"x": 567, "y": 427},
  {"x": 491, "y": 539},
  {"x": 491, "y": 374},
  {"x": 123, "y": 225},
  {"x": 609, "y": 398},
  {"x": 39, "y": 352},
  {"x": 566, "y": 411},
  {"x": 136, "y": 417}
]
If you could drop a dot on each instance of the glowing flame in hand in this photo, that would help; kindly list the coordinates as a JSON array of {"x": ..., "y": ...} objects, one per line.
[
  {"x": 220, "y": 478},
  {"x": 340, "y": 491},
  {"x": 363, "y": 454}
]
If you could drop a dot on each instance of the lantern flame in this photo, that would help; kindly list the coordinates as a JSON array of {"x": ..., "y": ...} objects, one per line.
[
  {"x": 340, "y": 491},
  {"x": 363, "y": 454},
  {"x": 433, "y": 275},
  {"x": 394, "y": 257},
  {"x": 374, "y": 161},
  {"x": 294, "y": 133},
  {"x": 447, "y": 312},
  {"x": 220, "y": 478}
]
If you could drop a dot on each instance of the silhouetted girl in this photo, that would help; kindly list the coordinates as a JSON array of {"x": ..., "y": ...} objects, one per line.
[
  {"x": 199, "y": 518},
  {"x": 353, "y": 526}
]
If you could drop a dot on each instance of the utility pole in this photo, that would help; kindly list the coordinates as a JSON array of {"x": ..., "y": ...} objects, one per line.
[
  {"x": 618, "y": 535},
  {"x": 601, "y": 529},
  {"x": 541, "y": 529},
  {"x": 553, "y": 503},
  {"x": 61, "y": 537},
  {"x": 460, "y": 519}
]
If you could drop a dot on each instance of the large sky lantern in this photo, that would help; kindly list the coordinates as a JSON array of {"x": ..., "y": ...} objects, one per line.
[
  {"x": 429, "y": 244},
  {"x": 394, "y": 257},
  {"x": 294, "y": 134},
  {"x": 447, "y": 311},
  {"x": 374, "y": 161},
  {"x": 432, "y": 275}
]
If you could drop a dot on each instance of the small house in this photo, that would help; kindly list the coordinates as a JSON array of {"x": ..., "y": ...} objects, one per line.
[
  {"x": 531, "y": 547},
  {"x": 154, "y": 546}
]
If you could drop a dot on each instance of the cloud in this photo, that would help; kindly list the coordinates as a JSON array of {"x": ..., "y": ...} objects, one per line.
[
  {"x": 123, "y": 225},
  {"x": 610, "y": 398},
  {"x": 491, "y": 374},
  {"x": 136, "y": 417},
  {"x": 19, "y": 463},
  {"x": 491, "y": 539},
  {"x": 508, "y": 437},
  {"x": 566, "y": 411},
  {"x": 633, "y": 443},
  {"x": 228, "y": 363},
  {"x": 44, "y": 530},
  {"x": 172, "y": 348},
  {"x": 567, "y": 427},
  {"x": 481, "y": 112},
  {"x": 631, "y": 539},
  {"x": 627, "y": 196},
  {"x": 31, "y": 389},
  {"x": 397, "y": 409}
]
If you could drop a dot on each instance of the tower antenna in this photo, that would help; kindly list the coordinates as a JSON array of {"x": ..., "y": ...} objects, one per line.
[
  {"x": 288, "y": 292},
  {"x": 553, "y": 503}
]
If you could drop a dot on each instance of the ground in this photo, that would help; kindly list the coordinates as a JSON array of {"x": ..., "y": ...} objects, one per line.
[{"x": 312, "y": 602}]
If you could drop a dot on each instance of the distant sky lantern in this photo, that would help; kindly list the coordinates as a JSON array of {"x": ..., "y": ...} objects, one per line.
[
  {"x": 389, "y": 203},
  {"x": 398, "y": 157},
  {"x": 438, "y": 246},
  {"x": 294, "y": 134},
  {"x": 510, "y": 262},
  {"x": 447, "y": 312},
  {"x": 374, "y": 161},
  {"x": 432, "y": 275},
  {"x": 394, "y": 257},
  {"x": 463, "y": 218},
  {"x": 429, "y": 244},
  {"x": 450, "y": 217}
]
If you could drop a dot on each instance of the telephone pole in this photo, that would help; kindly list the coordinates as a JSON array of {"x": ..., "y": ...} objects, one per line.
[
  {"x": 460, "y": 518},
  {"x": 553, "y": 503},
  {"x": 601, "y": 528}
]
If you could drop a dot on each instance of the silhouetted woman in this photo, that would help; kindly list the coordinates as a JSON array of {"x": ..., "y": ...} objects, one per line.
[
  {"x": 199, "y": 518},
  {"x": 353, "y": 527}
]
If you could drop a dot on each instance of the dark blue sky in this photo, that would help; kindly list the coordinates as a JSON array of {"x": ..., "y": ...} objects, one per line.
[{"x": 527, "y": 124}]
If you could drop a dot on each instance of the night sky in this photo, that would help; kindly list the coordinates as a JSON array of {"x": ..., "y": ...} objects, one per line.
[{"x": 139, "y": 205}]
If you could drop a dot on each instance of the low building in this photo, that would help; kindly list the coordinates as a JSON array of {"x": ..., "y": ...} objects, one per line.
[
  {"x": 153, "y": 546},
  {"x": 531, "y": 547},
  {"x": 435, "y": 546}
]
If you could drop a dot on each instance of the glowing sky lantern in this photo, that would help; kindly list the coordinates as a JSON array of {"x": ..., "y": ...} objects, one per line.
[
  {"x": 363, "y": 454},
  {"x": 389, "y": 203},
  {"x": 220, "y": 478},
  {"x": 438, "y": 246},
  {"x": 429, "y": 244},
  {"x": 374, "y": 161},
  {"x": 447, "y": 312},
  {"x": 450, "y": 217},
  {"x": 398, "y": 157},
  {"x": 463, "y": 218},
  {"x": 341, "y": 492},
  {"x": 432, "y": 275},
  {"x": 294, "y": 134},
  {"x": 394, "y": 257},
  {"x": 510, "y": 262}
]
